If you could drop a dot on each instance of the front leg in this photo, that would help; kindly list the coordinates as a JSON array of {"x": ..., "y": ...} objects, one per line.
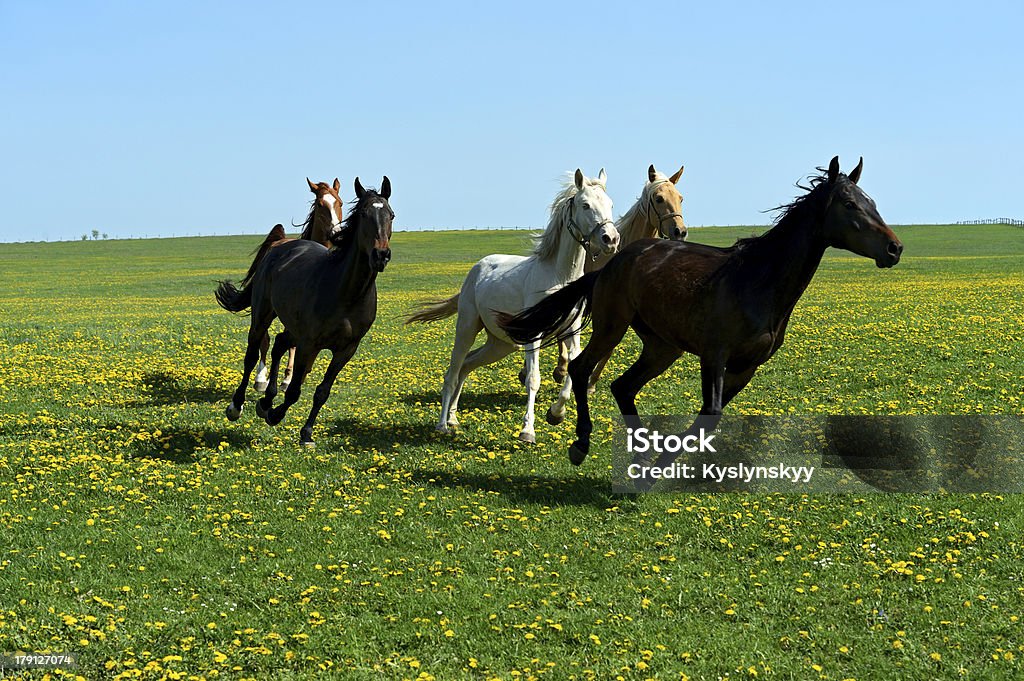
[
  {"x": 338, "y": 361},
  {"x": 527, "y": 434}
]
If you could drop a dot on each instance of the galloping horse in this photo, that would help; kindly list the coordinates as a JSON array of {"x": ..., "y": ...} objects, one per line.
[
  {"x": 326, "y": 299},
  {"x": 657, "y": 212},
  {"x": 322, "y": 225},
  {"x": 729, "y": 306},
  {"x": 580, "y": 223}
]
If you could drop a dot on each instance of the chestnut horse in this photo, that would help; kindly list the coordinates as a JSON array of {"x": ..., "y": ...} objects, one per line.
[
  {"x": 326, "y": 299},
  {"x": 729, "y": 306}
]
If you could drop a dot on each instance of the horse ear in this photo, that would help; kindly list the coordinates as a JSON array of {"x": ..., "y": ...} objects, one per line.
[
  {"x": 578, "y": 178},
  {"x": 675, "y": 178},
  {"x": 337, "y": 185},
  {"x": 385, "y": 188},
  {"x": 651, "y": 173},
  {"x": 360, "y": 192},
  {"x": 312, "y": 187},
  {"x": 855, "y": 175},
  {"x": 833, "y": 169},
  {"x": 602, "y": 177}
]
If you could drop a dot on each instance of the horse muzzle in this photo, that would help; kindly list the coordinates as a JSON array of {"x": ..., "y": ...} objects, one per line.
[
  {"x": 892, "y": 254},
  {"x": 379, "y": 258}
]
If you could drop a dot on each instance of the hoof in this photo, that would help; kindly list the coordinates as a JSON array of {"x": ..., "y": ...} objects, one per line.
[
  {"x": 232, "y": 412},
  {"x": 284, "y": 385},
  {"x": 554, "y": 419},
  {"x": 592, "y": 388},
  {"x": 260, "y": 411},
  {"x": 528, "y": 438},
  {"x": 308, "y": 444},
  {"x": 576, "y": 454},
  {"x": 522, "y": 376},
  {"x": 442, "y": 428},
  {"x": 559, "y": 375},
  {"x": 261, "y": 386}
]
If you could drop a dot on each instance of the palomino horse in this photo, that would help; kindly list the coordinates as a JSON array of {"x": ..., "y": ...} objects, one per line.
[
  {"x": 580, "y": 222},
  {"x": 326, "y": 299},
  {"x": 657, "y": 212},
  {"x": 322, "y": 225},
  {"x": 729, "y": 306}
]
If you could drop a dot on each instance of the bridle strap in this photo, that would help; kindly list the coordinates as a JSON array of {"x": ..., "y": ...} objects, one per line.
[{"x": 650, "y": 206}]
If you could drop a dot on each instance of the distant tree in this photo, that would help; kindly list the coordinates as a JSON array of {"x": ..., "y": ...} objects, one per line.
[
  {"x": 105, "y": 235},
  {"x": 85, "y": 237},
  {"x": 95, "y": 234}
]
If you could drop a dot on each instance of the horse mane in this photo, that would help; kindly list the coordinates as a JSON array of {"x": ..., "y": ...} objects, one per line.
[
  {"x": 545, "y": 245},
  {"x": 307, "y": 225},
  {"x": 632, "y": 225},
  {"x": 813, "y": 200}
]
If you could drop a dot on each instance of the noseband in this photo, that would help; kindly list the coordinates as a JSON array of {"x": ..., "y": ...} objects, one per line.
[
  {"x": 577, "y": 234},
  {"x": 650, "y": 207}
]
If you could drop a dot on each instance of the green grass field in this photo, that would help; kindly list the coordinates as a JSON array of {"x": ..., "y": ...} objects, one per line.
[{"x": 155, "y": 539}]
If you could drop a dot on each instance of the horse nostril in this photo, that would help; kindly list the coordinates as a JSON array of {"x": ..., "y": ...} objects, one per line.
[
  {"x": 895, "y": 249},
  {"x": 606, "y": 238}
]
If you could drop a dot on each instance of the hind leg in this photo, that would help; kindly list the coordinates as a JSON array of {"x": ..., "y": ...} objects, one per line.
[
  {"x": 304, "y": 356},
  {"x": 527, "y": 434},
  {"x": 609, "y": 328},
  {"x": 289, "y": 370},
  {"x": 283, "y": 341},
  {"x": 565, "y": 355},
  {"x": 261, "y": 369},
  {"x": 490, "y": 352},
  {"x": 257, "y": 331},
  {"x": 467, "y": 327},
  {"x": 656, "y": 357}
]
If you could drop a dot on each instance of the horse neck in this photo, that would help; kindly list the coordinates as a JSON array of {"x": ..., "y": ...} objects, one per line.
[
  {"x": 571, "y": 256},
  {"x": 318, "y": 232},
  {"x": 783, "y": 261},
  {"x": 354, "y": 276},
  {"x": 635, "y": 224}
]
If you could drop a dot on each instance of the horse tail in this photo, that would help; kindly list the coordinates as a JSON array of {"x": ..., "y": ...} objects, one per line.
[
  {"x": 234, "y": 299},
  {"x": 431, "y": 312},
  {"x": 555, "y": 313}
]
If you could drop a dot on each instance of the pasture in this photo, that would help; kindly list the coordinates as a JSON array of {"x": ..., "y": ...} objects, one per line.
[{"x": 144, "y": 532}]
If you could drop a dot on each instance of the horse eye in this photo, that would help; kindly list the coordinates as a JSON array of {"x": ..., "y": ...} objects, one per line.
[
  {"x": 586, "y": 206},
  {"x": 850, "y": 204},
  {"x": 660, "y": 199}
]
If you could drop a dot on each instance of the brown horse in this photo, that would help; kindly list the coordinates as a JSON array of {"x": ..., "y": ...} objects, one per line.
[
  {"x": 322, "y": 225},
  {"x": 656, "y": 213},
  {"x": 729, "y": 306}
]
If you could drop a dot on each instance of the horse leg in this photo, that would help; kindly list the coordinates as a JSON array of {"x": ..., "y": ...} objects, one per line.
[
  {"x": 734, "y": 382},
  {"x": 466, "y": 329},
  {"x": 656, "y": 356},
  {"x": 282, "y": 342},
  {"x": 571, "y": 346},
  {"x": 565, "y": 354},
  {"x": 490, "y": 352},
  {"x": 592, "y": 385},
  {"x": 607, "y": 333},
  {"x": 289, "y": 370},
  {"x": 261, "y": 369},
  {"x": 257, "y": 331},
  {"x": 338, "y": 360},
  {"x": 712, "y": 385},
  {"x": 304, "y": 357},
  {"x": 527, "y": 434}
]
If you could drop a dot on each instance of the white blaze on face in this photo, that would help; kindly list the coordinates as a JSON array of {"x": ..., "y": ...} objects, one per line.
[
  {"x": 331, "y": 203},
  {"x": 378, "y": 205}
]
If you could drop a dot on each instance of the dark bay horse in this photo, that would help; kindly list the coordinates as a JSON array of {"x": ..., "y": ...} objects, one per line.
[
  {"x": 326, "y": 299},
  {"x": 322, "y": 225},
  {"x": 729, "y": 306}
]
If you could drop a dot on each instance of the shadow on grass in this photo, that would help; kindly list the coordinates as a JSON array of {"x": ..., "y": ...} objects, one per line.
[
  {"x": 165, "y": 389},
  {"x": 183, "y": 446},
  {"x": 528, "y": 489},
  {"x": 504, "y": 399},
  {"x": 369, "y": 435}
]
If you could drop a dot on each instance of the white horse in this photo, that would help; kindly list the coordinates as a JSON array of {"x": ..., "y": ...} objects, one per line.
[
  {"x": 656, "y": 213},
  {"x": 580, "y": 225}
]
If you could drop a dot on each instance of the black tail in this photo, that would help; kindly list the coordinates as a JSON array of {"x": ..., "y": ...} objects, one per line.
[
  {"x": 234, "y": 299},
  {"x": 553, "y": 315}
]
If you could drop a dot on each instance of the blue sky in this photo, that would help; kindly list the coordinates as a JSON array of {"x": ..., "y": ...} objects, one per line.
[{"x": 201, "y": 118}]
